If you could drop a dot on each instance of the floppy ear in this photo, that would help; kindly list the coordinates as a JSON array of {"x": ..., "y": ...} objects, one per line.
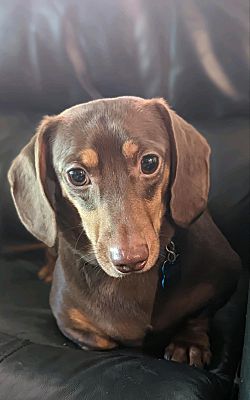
[
  {"x": 27, "y": 178},
  {"x": 190, "y": 163}
]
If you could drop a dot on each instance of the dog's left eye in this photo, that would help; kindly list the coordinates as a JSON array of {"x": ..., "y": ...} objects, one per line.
[
  {"x": 149, "y": 164},
  {"x": 78, "y": 177}
]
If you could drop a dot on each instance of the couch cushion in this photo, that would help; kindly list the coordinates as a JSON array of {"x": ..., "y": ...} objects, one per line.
[{"x": 37, "y": 362}]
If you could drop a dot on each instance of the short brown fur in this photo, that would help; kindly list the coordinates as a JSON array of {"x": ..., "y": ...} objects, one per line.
[{"x": 127, "y": 214}]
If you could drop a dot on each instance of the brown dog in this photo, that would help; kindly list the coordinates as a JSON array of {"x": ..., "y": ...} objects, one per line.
[{"x": 120, "y": 185}]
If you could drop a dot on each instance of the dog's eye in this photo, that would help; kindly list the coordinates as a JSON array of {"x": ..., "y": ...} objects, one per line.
[
  {"x": 78, "y": 177},
  {"x": 149, "y": 164}
]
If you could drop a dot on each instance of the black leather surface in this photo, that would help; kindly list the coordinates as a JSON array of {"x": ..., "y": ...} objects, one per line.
[
  {"x": 56, "y": 53},
  {"x": 37, "y": 362}
]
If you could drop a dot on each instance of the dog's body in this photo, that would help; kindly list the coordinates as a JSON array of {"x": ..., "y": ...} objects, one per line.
[{"x": 114, "y": 181}]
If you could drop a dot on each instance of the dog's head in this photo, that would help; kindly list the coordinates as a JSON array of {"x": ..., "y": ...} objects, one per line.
[{"x": 120, "y": 164}]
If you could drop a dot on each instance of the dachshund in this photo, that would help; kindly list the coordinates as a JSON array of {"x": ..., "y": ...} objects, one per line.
[{"x": 118, "y": 189}]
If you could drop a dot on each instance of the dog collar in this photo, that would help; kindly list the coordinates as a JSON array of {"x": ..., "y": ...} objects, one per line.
[{"x": 170, "y": 261}]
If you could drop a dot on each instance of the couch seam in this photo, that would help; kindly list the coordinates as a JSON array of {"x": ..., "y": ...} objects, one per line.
[
  {"x": 68, "y": 346},
  {"x": 6, "y": 355}
]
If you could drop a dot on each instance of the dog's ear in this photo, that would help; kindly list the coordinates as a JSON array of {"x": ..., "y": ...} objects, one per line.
[
  {"x": 29, "y": 185},
  {"x": 190, "y": 154}
]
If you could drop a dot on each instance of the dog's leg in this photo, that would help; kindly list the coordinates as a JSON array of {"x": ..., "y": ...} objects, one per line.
[
  {"x": 46, "y": 272},
  {"x": 191, "y": 344},
  {"x": 89, "y": 340},
  {"x": 78, "y": 328}
]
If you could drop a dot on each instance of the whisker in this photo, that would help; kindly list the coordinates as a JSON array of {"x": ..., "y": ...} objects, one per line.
[
  {"x": 79, "y": 238},
  {"x": 72, "y": 227}
]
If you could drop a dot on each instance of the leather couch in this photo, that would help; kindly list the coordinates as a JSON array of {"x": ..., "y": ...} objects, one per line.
[{"x": 56, "y": 53}]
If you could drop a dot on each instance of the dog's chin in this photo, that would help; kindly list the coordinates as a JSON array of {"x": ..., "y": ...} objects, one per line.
[{"x": 114, "y": 273}]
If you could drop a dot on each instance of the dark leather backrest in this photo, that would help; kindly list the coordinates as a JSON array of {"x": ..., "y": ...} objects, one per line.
[{"x": 55, "y": 53}]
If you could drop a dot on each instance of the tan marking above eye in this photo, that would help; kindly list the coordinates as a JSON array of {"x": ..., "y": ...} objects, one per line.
[
  {"x": 89, "y": 158},
  {"x": 129, "y": 148}
]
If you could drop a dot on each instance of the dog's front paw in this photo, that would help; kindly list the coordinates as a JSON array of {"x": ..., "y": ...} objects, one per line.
[
  {"x": 191, "y": 345},
  {"x": 188, "y": 353}
]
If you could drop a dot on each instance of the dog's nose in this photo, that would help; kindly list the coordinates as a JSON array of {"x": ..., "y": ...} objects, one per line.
[{"x": 129, "y": 260}]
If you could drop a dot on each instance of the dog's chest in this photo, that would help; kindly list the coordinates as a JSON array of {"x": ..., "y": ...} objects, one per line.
[{"x": 122, "y": 309}]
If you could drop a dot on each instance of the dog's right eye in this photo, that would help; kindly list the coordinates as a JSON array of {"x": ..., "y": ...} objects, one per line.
[{"x": 78, "y": 177}]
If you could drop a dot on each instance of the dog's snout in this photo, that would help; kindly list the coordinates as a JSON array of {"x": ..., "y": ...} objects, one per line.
[{"x": 129, "y": 260}]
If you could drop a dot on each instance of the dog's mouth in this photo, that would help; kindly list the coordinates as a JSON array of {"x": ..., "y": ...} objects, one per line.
[
  {"x": 131, "y": 268},
  {"x": 120, "y": 270},
  {"x": 123, "y": 270}
]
